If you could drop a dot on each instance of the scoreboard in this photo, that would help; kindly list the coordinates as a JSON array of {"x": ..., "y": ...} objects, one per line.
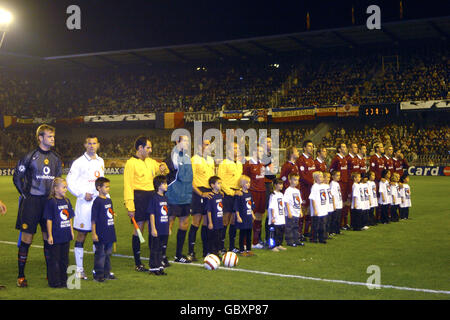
[{"x": 376, "y": 111}]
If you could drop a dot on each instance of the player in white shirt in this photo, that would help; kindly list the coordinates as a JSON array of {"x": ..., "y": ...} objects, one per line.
[
  {"x": 326, "y": 181},
  {"x": 337, "y": 202},
  {"x": 276, "y": 214},
  {"x": 396, "y": 200},
  {"x": 357, "y": 202},
  {"x": 405, "y": 192},
  {"x": 385, "y": 197},
  {"x": 293, "y": 205},
  {"x": 81, "y": 183},
  {"x": 373, "y": 198},
  {"x": 366, "y": 203},
  {"x": 318, "y": 207}
]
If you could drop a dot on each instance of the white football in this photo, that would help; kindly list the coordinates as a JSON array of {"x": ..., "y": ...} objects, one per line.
[
  {"x": 230, "y": 259},
  {"x": 211, "y": 262}
]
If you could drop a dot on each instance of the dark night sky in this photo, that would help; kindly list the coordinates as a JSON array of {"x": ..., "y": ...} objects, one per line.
[{"x": 40, "y": 25}]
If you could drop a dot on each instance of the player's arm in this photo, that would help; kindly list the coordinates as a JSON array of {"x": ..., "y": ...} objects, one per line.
[
  {"x": 314, "y": 204},
  {"x": 286, "y": 205},
  {"x": 73, "y": 184},
  {"x": 94, "y": 232},
  {"x": 94, "y": 211},
  {"x": 272, "y": 215},
  {"x": 3, "y": 208},
  {"x": 49, "y": 231},
  {"x": 210, "y": 224},
  {"x": 19, "y": 174},
  {"x": 236, "y": 209},
  {"x": 128, "y": 191},
  {"x": 153, "y": 226}
]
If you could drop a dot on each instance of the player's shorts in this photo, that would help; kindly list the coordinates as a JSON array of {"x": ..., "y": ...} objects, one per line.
[
  {"x": 179, "y": 210},
  {"x": 82, "y": 219},
  {"x": 228, "y": 204},
  {"x": 31, "y": 213},
  {"x": 198, "y": 202},
  {"x": 259, "y": 200},
  {"x": 141, "y": 202}
]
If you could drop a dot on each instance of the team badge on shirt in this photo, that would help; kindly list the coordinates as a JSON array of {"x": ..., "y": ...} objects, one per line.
[
  {"x": 296, "y": 199},
  {"x": 323, "y": 197},
  {"x": 280, "y": 207}
]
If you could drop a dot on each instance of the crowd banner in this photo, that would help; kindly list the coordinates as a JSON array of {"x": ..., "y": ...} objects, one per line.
[
  {"x": 121, "y": 117},
  {"x": 421, "y": 105},
  {"x": 173, "y": 120},
  {"x": 326, "y": 111},
  {"x": 201, "y": 116},
  {"x": 347, "y": 110},
  {"x": 232, "y": 114},
  {"x": 293, "y": 114},
  {"x": 428, "y": 171}
]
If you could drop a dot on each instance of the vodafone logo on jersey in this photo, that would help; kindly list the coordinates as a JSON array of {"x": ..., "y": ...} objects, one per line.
[
  {"x": 164, "y": 211},
  {"x": 249, "y": 204}
]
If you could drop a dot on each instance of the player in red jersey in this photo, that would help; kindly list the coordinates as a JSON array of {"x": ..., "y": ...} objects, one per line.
[
  {"x": 353, "y": 162},
  {"x": 362, "y": 158},
  {"x": 388, "y": 161},
  {"x": 377, "y": 162},
  {"x": 377, "y": 166},
  {"x": 255, "y": 170},
  {"x": 320, "y": 162},
  {"x": 339, "y": 163},
  {"x": 289, "y": 166},
  {"x": 400, "y": 164},
  {"x": 306, "y": 167}
]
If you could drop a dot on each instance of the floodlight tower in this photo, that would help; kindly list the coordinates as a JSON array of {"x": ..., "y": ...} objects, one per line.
[{"x": 5, "y": 20}]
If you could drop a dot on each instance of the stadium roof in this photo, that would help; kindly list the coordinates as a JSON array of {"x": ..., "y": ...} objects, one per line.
[{"x": 394, "y": 33}]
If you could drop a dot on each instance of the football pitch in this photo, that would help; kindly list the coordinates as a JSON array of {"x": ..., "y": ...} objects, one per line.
[{"x": 412, "y": 258}]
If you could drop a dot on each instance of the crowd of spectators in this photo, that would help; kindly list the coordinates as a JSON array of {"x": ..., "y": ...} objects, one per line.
[{"x": 322, "y": 80}]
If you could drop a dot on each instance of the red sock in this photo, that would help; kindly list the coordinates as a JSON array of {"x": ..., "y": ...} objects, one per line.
[{"x": 256, "y": 231}]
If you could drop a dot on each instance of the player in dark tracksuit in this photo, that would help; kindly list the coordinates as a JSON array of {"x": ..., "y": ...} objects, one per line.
[{"x": 33, "y": 178}]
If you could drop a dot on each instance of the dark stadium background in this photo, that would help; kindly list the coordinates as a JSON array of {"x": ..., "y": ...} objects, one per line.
[{"x": 112, "y": 25}]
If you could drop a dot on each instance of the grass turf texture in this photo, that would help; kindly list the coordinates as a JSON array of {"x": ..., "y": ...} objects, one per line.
[{"x": 411, "y": 253}]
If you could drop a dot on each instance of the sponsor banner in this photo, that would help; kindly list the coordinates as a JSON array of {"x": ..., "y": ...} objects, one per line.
[
  {"x": 428, "y": 171},
  {"x": 232, "y": 114},
  {"x": 6, "y": 171},
  {"x": 70, "y": 120},
  {"x": 347, "y": 111},
  {"x": 121, "y": 117},
  {"x": 293, "y": 114},
  {"x": 420, "y": 105},
  {"x": 326, "y": 111},
  {"x": 201, "y": 116},
  {"x": 109, "y": 170}
]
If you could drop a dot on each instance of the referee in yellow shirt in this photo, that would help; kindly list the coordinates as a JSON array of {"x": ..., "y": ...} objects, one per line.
[
  {"x": 203, "y": 168},
  {"x": 229, "y": 171},
  {"x": 138, "y": 189}
]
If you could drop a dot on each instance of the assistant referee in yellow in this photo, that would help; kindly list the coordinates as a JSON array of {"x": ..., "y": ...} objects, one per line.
[{"x": 138, "y": 189}]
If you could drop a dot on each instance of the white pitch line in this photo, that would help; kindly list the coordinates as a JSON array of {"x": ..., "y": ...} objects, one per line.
[{"x": 353, "y": 283}]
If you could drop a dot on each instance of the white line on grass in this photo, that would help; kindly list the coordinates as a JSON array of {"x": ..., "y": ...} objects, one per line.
[{"x": 353, "y": 283}]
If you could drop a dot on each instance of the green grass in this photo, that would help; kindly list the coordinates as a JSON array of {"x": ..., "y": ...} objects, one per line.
[{"x": 411, "y": 253}]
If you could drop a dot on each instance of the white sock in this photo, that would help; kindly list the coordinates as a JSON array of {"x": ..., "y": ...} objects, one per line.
[{"x": 79, "y": 258}]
